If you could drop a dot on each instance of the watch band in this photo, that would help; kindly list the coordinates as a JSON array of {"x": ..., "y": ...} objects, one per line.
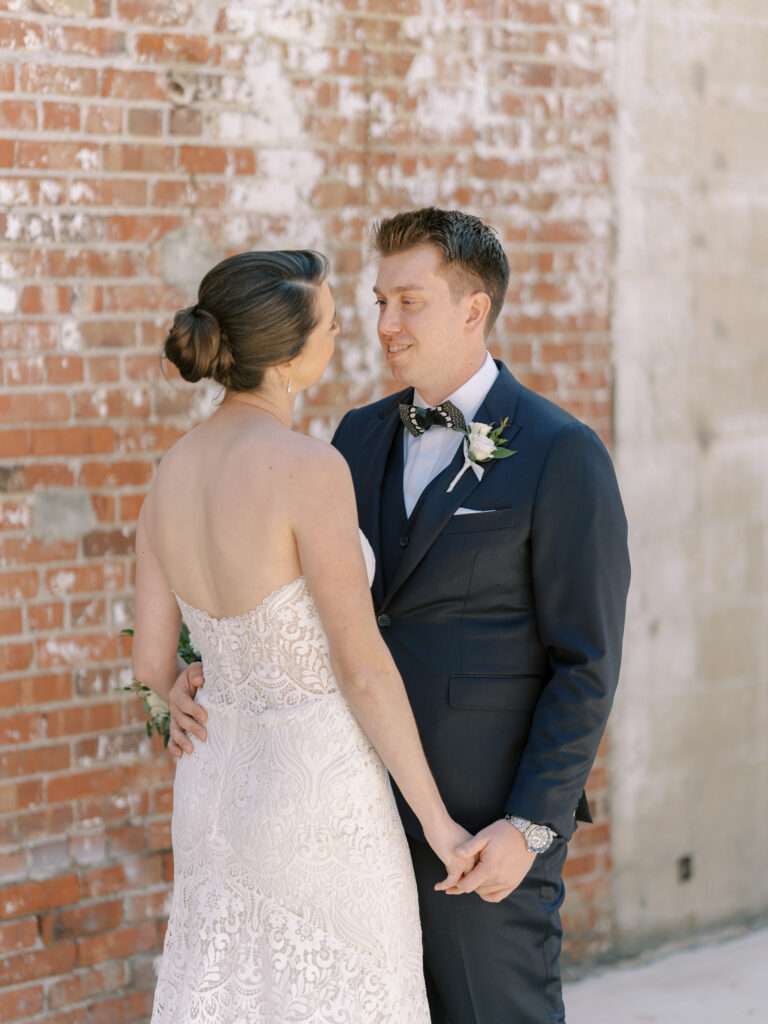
[{"x": 538, "y": 838}]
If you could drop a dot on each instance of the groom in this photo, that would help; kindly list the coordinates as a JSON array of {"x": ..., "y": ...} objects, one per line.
[{"x": 500, "y": 590}]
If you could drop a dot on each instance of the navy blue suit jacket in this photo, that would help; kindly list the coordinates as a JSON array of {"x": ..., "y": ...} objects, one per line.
[{"x": 506, "y": 626}]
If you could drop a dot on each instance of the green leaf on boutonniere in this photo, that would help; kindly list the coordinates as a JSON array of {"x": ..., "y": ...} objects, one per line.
[{"x": 503, "y": 453}]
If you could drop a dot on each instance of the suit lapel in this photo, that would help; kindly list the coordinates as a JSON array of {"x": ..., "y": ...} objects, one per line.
[
  {"x": 436, "y": 506},
  {"x": 375, "y": 447}
]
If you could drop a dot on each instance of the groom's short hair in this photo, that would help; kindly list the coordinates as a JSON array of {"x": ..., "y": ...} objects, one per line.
[{"x": 470, "y": 248}]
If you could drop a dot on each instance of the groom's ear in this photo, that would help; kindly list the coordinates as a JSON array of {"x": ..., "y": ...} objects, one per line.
[{"x": 478, "y": 310}]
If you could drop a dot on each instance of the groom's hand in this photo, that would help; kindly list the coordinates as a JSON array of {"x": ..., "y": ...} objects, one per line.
[
  {"x": 503, "y": 863},
  {"x": 186, "y": 715}
]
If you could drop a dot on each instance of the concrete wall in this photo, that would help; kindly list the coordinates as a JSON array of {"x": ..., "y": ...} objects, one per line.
[{"x": 689, "y": 752}]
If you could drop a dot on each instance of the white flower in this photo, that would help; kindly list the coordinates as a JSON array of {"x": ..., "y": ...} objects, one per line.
[
  {"x": 483, "y": 429},
  {"x": 481, "y": 447},
  {"x": 157, "y": 705}
]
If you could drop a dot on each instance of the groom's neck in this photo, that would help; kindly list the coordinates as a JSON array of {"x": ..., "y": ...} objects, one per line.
[{"x": 434, "y": 392}]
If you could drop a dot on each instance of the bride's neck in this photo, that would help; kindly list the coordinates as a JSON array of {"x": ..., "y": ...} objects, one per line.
[{"x": 276, "y": 403}]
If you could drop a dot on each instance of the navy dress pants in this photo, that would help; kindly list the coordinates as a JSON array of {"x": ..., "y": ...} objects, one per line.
[{"x": 493, "y": 963}]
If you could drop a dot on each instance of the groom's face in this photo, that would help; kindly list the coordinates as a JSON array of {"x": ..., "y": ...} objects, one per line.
[{"x": 421, "y": 324}]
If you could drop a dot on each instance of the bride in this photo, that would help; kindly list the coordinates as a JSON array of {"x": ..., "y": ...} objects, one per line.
[{"x": 294, "y": 898}]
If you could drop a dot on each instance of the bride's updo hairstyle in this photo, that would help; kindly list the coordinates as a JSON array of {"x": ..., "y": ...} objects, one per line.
[{"x": 253, "y": 311}]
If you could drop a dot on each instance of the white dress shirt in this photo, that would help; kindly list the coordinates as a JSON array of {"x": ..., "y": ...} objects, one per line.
[{"x": 428, "y": 454}]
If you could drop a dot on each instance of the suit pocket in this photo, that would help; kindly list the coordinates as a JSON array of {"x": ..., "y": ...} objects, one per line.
[
  {"x": 498, "y": 519},
  {"x": 494, "y": 693}
]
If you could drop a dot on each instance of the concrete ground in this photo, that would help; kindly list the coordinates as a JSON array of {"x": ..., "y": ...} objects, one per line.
[{"x": 722, "y": 983}]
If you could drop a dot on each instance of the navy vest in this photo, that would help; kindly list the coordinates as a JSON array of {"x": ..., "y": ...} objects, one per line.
[{"x": 394, "y": 522}]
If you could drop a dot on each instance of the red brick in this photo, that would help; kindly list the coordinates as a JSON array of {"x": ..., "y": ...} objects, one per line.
[
  {"x": 91, "y": 41},
  {"x": 15, "y": 657},
  {"x": 14, "y": 443},
  {"x": 39, "y": 964},
  {"x": 73, "y": 440},
  {"x": 86, "y": 919},
  {"x": 116, "y": 474},
  {"x": 120, "y": 156},
  {"x": 47, "y": 823},
  {"x": 10, "y": 621},
  {"x": 30, "y": 550},
  {"x": 36, "y": 407},
  {"x": 116, "y": 944},
  {"x": 16, "y": 796},
  {"x": 45, "y": 617},
  {"x": 45, "y": 299},
  {"x": 104, "y": 881},
  {"x": 133, "y": 85},
  {"x": 40, "y": 689},
  {"x": 61, "y": 117},
  {"x": 23, "y": 727},
  {"x": 173, "y": 48},
  {"x": 20, "y": 35},
  {"x": 16, "y": 935},
  {"x": 84, "y": 718},
  {"x": 21, "y": 1002},
  {"x": 98, "y": 543},
  {"x": 203, "y": 159},
  {"x": 33, "y": 897},
  {"x": 102, "y": 120},
  {"x": 92, "y": 612},
  {"x": 75, "y": 649},
  {"x": 154, "y": 12},
  {"x": 142, "y": 121},
  {"x": 74, "y": 579},
  {"x": 33, "y": 761},
  {"x": 186, "y": 121},
  {"x": 83, "y": 984},
  {"x": 18, "y": 115},
  {"x": 43, "y": 78},
  {"x": 83, "y": 784},
  {"x": 130, "y": 506}
]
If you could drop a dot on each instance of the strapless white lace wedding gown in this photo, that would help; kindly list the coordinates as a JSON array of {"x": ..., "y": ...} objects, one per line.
[{"x": 294, "y": 898}]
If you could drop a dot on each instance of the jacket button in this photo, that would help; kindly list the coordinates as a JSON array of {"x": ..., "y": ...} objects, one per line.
[
  {"x": 384, "y": 621},
  {"x": 404, "y": 542}
]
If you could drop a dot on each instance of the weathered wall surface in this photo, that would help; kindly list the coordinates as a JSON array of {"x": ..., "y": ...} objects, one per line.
[
  {"x": 140, "y": 141},
  {"x": 689, "y": 753}
]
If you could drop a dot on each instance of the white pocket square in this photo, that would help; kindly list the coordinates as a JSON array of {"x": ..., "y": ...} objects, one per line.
[{"x": 472, "y": 511}]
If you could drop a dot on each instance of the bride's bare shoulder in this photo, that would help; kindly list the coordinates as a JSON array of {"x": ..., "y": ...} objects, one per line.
[{"x": 314, "y": 458}]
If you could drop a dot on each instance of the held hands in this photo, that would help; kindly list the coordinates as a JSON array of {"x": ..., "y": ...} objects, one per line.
[
  {"x": 448, "y": 840},
  {"x": 186, "y": 714},
  {"x": 500, "y": 859}
]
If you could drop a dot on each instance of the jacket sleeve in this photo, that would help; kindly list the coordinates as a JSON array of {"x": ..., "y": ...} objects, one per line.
[
  {"x": 342, "y": 433},
  {"x": 580, "y": 569}
]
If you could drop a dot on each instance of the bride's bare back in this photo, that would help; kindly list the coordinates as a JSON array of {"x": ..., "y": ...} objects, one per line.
[{"x": 222, "y": 511}]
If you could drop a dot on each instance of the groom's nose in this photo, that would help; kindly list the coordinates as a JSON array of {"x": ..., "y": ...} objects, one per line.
[{"x": 389, "y": 322}]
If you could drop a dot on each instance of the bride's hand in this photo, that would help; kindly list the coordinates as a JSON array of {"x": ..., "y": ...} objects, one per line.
[{"x": 445, "y": 840}]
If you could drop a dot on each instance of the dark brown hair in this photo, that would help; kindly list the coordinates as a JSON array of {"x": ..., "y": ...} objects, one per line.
[
  {"x": 253, "y": 311},
  {"x": 467, "y": 244}
]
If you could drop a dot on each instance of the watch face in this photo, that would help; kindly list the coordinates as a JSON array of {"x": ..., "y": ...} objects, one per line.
[{"x": 539, "y": 838}]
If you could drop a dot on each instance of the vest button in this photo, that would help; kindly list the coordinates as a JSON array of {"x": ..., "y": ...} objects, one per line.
[
  {"x": 404, "y": 542},
  {"x": 384, "y": 621}
]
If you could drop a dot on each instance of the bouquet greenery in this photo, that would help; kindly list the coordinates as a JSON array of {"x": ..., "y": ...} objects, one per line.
[{"x": 158, "y": 712}]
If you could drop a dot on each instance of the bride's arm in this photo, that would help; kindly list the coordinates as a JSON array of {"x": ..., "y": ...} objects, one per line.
[
  {"x": 333, "y": 565},
  {"x": 157, "y": 619}
]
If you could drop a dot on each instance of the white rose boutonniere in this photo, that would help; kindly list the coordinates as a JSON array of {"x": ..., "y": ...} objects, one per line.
[{"x": 482, "y": 442}]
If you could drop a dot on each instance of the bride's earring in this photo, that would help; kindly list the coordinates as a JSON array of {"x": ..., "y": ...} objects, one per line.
[{"x": 289, "y": 389}]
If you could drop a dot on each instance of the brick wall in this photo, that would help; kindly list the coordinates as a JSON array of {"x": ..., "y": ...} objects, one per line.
[{"x": 139, "y": 143}]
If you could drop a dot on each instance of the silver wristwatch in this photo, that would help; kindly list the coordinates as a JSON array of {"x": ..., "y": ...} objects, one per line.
[{"x": 538, "y": 838}]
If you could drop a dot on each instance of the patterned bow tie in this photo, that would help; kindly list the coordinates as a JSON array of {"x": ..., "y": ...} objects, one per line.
[{"x": 417, "y": 420}]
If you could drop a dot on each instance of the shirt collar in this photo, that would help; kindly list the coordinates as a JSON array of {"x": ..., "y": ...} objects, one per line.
[{"x": 469, "y": 397}]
